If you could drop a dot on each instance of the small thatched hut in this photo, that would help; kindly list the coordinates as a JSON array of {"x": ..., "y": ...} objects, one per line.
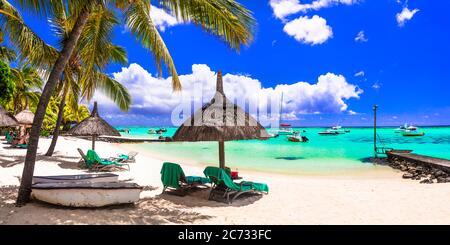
[
  {"x": 7, "y": 119},
  {"x": 220, "y": 120},
  {"x": 93, "y": 126},
  {"x": 25, "y": 117}
]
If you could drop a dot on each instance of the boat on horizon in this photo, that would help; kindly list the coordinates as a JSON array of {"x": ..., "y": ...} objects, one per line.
[
  {"x": 297, "y": 137},
  {"x": 339, "y": 130},
  {"x": 404, "y": 128},
  {"x": 328, "y": 132},
  {"x": 412, "y": 133},
  {"x": 285, "y": 129},
  {"x": 124, "y": 130}
]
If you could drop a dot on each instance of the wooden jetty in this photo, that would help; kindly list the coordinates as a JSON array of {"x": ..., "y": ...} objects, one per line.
[
  {"x": 121, "y": 139},
  {"x": 439, "y": 163}
]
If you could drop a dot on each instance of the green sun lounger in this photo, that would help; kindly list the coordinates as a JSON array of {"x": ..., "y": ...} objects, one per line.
[
  {"x": 22, "y": 146},
  {"x": 9, "y": 138},
  {"x": 174, "y": 179},
  {"x": 130, "y": 157},
  {"x": 93, "y": 161},
  {"x": 222, "y": 183}
]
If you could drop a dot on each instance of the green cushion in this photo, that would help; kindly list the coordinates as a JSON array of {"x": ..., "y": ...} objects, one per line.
[
  {"x": 92, "y": 157},
  {"x": 219, "y": 175},
  {"x": 171, "y": 174}
]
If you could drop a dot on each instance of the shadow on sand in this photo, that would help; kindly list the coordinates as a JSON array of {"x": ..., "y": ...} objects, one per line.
[
  {"x": 146, "y": 211},
  {"x": 64, "y": 162},
  {"x": 199, "y": 198}
]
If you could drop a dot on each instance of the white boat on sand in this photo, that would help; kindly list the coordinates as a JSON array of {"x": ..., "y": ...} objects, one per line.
[
  {"x": 86, "y": 194},
  {"x": 88, "y": 178}
]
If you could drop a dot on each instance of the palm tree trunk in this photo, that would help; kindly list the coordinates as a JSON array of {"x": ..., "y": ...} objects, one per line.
[
  {"x": 58, "y": 67},
  {"x": 51, "y": 148}
]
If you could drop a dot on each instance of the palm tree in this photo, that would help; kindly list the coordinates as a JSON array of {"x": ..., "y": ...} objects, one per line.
[
  {"x": 224, "y": 18},
  {"x": 80, "y": 78},
  {"x": 74, "y": 115},
  {"x": 28, "y": 86}
]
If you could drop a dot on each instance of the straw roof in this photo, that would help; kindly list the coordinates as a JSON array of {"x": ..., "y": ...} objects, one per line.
[
  {"x": 25, "y": 117},
  {"x": 7, "y": 119},
  {"x": 220, "y": 120},
  {"x": 93, "y": 126}
]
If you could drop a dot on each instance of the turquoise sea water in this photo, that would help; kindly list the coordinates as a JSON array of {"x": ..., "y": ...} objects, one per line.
[{"x": 322, "y": 154}]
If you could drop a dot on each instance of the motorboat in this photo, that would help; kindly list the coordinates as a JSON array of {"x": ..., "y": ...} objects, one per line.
[
  {"x": 339, "y": 130},
  {"x": 298, "y": 138},
  {"x": 79, "y": 178},
  {"x": 285, "y": 129},
  {"x": 328, "y": 132},
  {"x": 411, "y": 133},
  {"x": 86, "y": 194},
  {"x": 124, "y": 130}
]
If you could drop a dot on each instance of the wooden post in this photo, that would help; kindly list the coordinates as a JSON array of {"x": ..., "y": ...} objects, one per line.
[
  {"x": 93, "y": 141},
  {"x": 375, "y": 107},
  {"x": 221, "y": 154}
]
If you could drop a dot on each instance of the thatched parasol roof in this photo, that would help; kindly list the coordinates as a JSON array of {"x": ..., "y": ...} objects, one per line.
[
  {"x": 25, "y": 117},
  {"x": 93, "y": 126},
  {"x": 220, "y": 120},
  {"x": 7, "y": 119}
]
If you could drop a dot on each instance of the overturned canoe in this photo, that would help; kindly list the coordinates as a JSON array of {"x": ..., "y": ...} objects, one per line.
[
  {"x": 89, "y": 178},
  {"x": 86, "y": 194}
]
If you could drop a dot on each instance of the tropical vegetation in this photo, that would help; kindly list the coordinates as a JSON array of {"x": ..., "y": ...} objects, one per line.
[{"x": 226, "y": 19}]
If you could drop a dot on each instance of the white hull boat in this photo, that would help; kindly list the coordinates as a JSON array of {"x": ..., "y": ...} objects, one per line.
[
  {"x": 86, "y": 194},
  {"x": 83, "y": 178}
]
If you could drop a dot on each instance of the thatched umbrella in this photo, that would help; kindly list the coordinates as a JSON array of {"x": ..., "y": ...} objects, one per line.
[
  {"x": 7, "y": 119},
  {"x": 93, "y": 126},
  {"x": 220, "y": 120},
  {"x": 25, "y": 117}
]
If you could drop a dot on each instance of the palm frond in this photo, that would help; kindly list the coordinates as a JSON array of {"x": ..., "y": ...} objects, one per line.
[
  {"x": 227, "y": 19},
  {"x": 30, "y": 46},
  {"x": 114, "y": 90},
  {"x": 137, "y": 16}
]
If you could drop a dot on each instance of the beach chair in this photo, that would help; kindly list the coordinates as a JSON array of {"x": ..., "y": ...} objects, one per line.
[
  {"x": 21, "y": 146},
  {"x": 95, "y": 163},
  {"x": 176, "y": 182},
  {"x": 127, "y": 158},
  {"x": 9, "y": 139},
  {"x": 226, "y": 187}
]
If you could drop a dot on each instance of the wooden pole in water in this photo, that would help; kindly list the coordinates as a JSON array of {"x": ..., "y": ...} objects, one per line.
[{"x": 375, "y": 107}]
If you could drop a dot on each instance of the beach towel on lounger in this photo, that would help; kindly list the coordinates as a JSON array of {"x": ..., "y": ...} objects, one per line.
[
  {"x": 172, "y": 174},
  {"x": 220, "y": 175}
]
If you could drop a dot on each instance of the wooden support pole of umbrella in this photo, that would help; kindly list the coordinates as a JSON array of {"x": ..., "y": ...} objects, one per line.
[
  {"x": 220, "y": 120},
  {"x": 93, "y": 126}
]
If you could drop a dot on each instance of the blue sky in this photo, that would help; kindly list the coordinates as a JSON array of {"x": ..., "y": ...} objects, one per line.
[{"x": 398, "y": 49}]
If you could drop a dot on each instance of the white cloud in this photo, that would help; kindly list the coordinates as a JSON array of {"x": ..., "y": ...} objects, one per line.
[
  {"x": 376, "y": 85},
  {"x": 361, "y": 37},
  {"x": 284, "y": 8},
  {"x": 360, "y": 74},
  {"x": 153, "y": 96},
  {"x": 309, "y": 30},
  {"x": 405, "y": 16},
  {"x": 162, "y": 19},
  {"x": 352, "y": 113}
]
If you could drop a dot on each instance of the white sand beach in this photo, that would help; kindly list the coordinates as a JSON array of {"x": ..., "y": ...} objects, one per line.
[{"x": 378, "y": 197}]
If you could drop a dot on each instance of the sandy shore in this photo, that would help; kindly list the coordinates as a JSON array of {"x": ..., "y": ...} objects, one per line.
[{"x": 379, "y": 198}]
